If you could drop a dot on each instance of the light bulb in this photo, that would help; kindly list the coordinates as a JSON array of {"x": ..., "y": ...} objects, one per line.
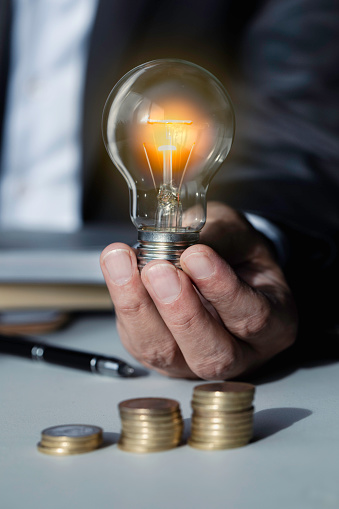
[{"x": 168, "y": 125}]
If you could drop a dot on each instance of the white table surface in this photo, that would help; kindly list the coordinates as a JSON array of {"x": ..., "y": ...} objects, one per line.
[{"x": 293, "y": 462}]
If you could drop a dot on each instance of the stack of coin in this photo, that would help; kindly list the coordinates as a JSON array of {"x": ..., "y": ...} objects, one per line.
[
  {"x": 222, "y": 415},
  {"x": 150, "y": 425},
  {"x": 70, "y": 439}
]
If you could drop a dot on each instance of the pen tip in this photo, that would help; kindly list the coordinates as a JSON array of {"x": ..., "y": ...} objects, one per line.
[{"x": 126, "y": 370}]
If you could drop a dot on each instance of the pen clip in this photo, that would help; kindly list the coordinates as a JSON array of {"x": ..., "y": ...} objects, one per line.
[
  {"x": 37, "y": 353},
  {"x": 106, "y": 367}
]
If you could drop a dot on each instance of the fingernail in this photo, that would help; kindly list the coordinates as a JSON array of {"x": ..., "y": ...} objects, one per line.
[
  {"x": 165, "y": 282},
  {"x": 199, "y": 265},
  {"x": 119, "y": 266}
]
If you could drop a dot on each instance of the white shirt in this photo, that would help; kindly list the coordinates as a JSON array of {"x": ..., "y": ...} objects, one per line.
[
  {"x": 273, "y": 233},
  {"x": 40, "y": 186},
  {"x": 40, "y": 182}
]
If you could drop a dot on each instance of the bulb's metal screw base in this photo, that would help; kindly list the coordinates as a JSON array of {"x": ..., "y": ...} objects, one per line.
[{"x": 156, "y": 245}]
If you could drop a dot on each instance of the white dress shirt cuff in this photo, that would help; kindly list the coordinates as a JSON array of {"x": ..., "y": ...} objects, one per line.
[{"x": 272, "y": 232}]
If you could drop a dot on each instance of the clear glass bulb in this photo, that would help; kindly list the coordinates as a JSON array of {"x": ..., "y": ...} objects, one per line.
[{"x": 168, "y": 125}]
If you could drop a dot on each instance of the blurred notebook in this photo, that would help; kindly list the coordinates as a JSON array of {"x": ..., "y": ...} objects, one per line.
[{"x": 55, "y": 271}]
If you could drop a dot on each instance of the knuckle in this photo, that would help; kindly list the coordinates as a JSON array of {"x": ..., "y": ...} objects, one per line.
[
  {"x": 128, "y": 310},
  {"x": 163, "y": 358},
  {"x": 186, "y": 324},
  {"x": 254, "y": 323},
  {"x": 218, "y": 367},
  {"x": 148, "y": 351},
  {"x": 257, "y": 322},
  {"x": 228, "y": 295}
]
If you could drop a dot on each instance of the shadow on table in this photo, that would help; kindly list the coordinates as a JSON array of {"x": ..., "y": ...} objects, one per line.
[
  {"x": 284, "y": 365},
  {"x": 139, "y": 371},
  {"x": 187, "y": 429},
  {"x": 270, "y": 421},
  {"x": 109, "y": 439}
]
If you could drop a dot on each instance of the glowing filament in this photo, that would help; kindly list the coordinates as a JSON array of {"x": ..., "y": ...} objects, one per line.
[{"x": 169, "y": 148}]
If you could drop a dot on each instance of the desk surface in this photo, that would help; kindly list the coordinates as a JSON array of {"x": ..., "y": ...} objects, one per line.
[{"x": 292, "y": 463}]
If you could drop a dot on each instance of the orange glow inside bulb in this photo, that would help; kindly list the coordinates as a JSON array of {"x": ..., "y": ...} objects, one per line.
[{"x": 172, "y": 140}]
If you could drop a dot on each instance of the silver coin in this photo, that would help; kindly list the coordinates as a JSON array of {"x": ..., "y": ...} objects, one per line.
[{"x": 72, "y": 430}]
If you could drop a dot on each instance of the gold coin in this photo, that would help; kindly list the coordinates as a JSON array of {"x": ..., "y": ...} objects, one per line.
[
  {"x": 227, "y": 403},
  {"x": 151, "y": 431},
  {"x": 151, "y": 434},
  {"x": 221, "y": 427},
  {"x": 70, "y": 439},
  {"x": 65, "y": 444},
  {"x": 148, "y": 446},
  {"x": 228, "y": 409},
  {"x": 63, "y": 451},
  {"x": 148, "y": 443},
  {"x": 226, "y": 426},
  {"x": 226, "y": 388},
  {"x": 220, "y": 438},
  {"x": 55, "y": 451},
  {"x": 153, "y": 406},
  {"x": 220, "y": 432},
  {"x": 150, "y": 438},
  {"x": 148, "y": 419},
  {"x": 225, "y": 418},
  {"x": 222, "y": 396},
  {"x": 150, "y": 427},
  {"x": 223, "y": 401},
  {"x": 212, "y": 446},
  {"x": 151, "y": 441},
  {"x": 233, "y": 422},
  {"x": 71, "y": 442},
  {"x": 150, "y": 424},
  {"x": 144, "y": 450},
  {"x": 228, "y": 419},
  {"x": 220, "y": 435},
  {"x": 218, "y": 414},
  {"x": 157, "y": 421}
]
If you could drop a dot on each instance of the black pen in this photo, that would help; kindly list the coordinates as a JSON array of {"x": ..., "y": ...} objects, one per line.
[{"x": 34, "y": 349}]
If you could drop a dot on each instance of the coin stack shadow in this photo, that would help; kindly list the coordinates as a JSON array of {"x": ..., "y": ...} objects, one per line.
[
  {"x": 150, "y": 425},
  {"x": 70, "y": 439},
  {"x": 222, "y": 415}
]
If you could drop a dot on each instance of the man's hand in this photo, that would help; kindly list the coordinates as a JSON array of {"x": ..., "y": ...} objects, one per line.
[{"x": 226, "y": 313}]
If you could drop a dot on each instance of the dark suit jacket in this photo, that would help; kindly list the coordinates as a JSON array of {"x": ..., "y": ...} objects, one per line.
[{"x": 279, "y": 61}]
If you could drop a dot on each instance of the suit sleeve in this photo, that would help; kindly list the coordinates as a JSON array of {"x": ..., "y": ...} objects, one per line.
[{"x": 284, "y": 164}]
